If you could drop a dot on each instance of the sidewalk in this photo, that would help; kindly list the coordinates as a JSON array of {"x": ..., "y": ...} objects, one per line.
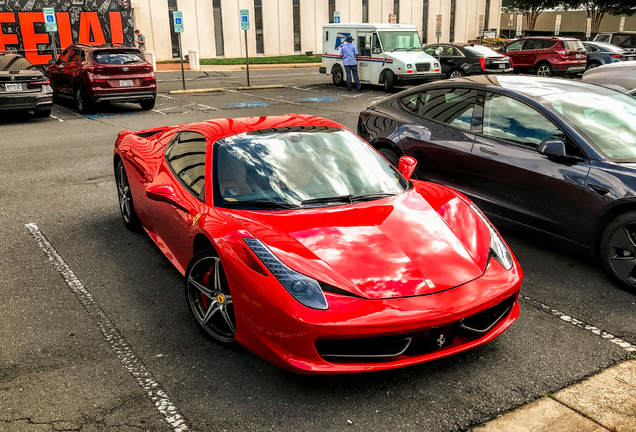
[
  {"x": 162, "y": 67},
  {"x": 602, "y": 403}
]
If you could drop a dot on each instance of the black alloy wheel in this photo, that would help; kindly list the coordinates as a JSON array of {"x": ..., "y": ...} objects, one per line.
[
  {"x": 544, "y": 70},
  {"x": 82, "y": 103},
  {"x": 337, "y": 76},
  {"x": 618, "y": 249},
  {"x": 126, "y": 205},
  {"x": 208, "y": 295},
  {"x": 456, "y": 73}
]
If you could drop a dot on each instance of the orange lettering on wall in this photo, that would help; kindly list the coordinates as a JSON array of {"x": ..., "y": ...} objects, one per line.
[
  {"x": 116, "y": 31},
  {"x": 7, "y": 39},
  {"x": 31, "y": 39},
  {"x": 64, "y": 27},
  {"x": 90, "y": 21}
]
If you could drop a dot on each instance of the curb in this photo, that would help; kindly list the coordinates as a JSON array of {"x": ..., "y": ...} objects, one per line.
[{"x": 208, "y": 90}]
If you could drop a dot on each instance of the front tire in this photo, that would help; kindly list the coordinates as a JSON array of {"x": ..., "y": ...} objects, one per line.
[
  {"x": 208, "y": 296},
  {"x": 618, "y": 250},
  {"x": 126, "y": 205},
  {"x": 544, "y": 70},
  {"x": 389, "y": 81}
]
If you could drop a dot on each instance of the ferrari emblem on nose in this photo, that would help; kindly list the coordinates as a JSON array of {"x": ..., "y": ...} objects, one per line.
[{"x": 441, "y": 340}]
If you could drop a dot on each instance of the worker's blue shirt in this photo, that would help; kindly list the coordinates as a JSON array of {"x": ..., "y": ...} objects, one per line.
[{"x": 349, "y": 52}]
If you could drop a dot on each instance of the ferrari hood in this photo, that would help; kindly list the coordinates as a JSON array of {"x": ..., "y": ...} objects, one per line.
[{"x": 393, "y": 247}]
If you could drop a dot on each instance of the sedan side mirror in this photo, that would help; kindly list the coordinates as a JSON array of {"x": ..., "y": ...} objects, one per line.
[
  {"x": 165, "y": 193},
  {"x": 555, "y": 148},
  {"x": 407, "y": 166}
]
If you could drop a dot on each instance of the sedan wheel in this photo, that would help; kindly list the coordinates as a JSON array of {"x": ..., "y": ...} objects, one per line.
[
  {"x": 81, "y": 102},
  {"x": 618, "y": 249},
  {"x": 209, "y": 298},
  {"x": 544, "y": 70},
  {"x": 126, "y": 205},
  {"x": 456, "y": 74},
  {"x": 593, "y": 65}
]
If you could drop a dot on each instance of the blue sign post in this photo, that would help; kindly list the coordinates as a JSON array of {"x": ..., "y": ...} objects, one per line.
[
  {"x": 51, "y": 26},
  {"x": 245, "y": 25},
  {"x": 177, "y": 21}
]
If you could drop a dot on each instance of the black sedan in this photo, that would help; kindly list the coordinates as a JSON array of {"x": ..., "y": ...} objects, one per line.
[
  {"x": 462, "y": 59},
  {"x": 554, "y": 156},
  {"x": 23, "y": 87},
  {"x": 599, "y": 54}
]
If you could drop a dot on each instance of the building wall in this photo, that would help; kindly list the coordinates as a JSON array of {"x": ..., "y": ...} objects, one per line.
[
  {"x": 571, "y": 21},
  {"x": 152, "y": 18}
]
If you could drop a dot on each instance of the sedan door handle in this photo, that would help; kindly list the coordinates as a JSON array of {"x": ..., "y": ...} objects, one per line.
[{"x": 490, "y": 152}]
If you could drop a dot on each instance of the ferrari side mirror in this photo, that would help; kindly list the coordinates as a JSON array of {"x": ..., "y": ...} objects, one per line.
[
  {"x": 407, "y": 166},
  {"x": 165, "y": 193}
]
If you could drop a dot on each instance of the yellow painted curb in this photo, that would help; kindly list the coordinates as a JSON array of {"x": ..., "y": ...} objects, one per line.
[
  {"x": 208, "y": 90},
  {"x": 262, "y": 87}
]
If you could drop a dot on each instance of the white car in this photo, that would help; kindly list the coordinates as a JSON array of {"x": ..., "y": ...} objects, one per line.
[{"x": 618, "y": 76}]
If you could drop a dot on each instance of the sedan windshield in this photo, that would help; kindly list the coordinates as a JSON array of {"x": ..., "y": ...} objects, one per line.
[
  {"x": 302, "y": 167},
  {"x": 481, "y": 51},
  {"x": 400, "y": 40},
  {"x": 606, "y": 117}
]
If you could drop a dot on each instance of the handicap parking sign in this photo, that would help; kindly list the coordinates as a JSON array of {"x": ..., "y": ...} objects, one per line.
[
  {"x": 178, "y": 21},
  {"x": 245, "y": 19},
  {"x": 49, "y": 19}
]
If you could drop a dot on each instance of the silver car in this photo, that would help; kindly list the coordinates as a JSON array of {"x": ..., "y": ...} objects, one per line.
[{"x": 618, "y": 76}]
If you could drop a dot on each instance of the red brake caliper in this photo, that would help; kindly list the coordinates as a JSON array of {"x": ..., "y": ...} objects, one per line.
[{"x": 206, "y": 281}]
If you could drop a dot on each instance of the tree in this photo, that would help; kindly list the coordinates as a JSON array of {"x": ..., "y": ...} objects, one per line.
[
  {"x": 597, "y": 9},
  {"x": 531, "y": 9}
]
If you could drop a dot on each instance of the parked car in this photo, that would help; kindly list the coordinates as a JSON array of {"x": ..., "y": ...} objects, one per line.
[
  {"x": 623, "y": 39},
  {"x": 105, "y": 73},
  {"x": 543, "y": 154},
  {"x": 300, "y": 242},
  {"x": 462, "y": 59},
  {"x": 619, "y": 76},
  {"x": 600, "y": 53},
  {"x": 23, "y": 87},
  {"x": 547, "y": 56}
]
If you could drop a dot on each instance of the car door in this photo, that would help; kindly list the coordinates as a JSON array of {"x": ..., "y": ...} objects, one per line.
[
  {"x": 514, "y": 51},
  {"x": 452, "y": 58},
  {"x": 439, "y": 134},
  {"x": 69, "y": 70},
  {"x": 54, "y": 71},
  {"x": 364, "y": 59},
  {"x": 511, "y": 179},
  {"x": 185, "y": 170}
]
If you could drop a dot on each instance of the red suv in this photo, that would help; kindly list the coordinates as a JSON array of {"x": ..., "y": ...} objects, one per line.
[
  {"x": 93, "y": 74},
  {"x": 547, "y": 56}
]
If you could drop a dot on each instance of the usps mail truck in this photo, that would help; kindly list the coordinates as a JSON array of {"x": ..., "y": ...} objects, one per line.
[{"x": 390, "y": 54}]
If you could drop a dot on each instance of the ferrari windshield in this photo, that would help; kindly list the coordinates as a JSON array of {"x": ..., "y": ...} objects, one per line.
[
  {"x": 605, "y": 116},
  {"x": 400, "y": 41},
  {"x": 300, "y": 167}
]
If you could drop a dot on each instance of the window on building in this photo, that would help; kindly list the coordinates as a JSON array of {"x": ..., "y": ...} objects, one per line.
[
  {"x": 451, "y": 28},
  {"x": 218, "y": 27},
  {"x": 172, "y": 6},
  {"x": 396, "y": 10},
  {"x": 424, "y": 22},
  {"x": 258, "y": 26},
  {"x": 486, "y": 13},
  {"x": 296, "y": 13},
  {"x": 332, "y": 9},
  {"x": 365, "y": 11}
]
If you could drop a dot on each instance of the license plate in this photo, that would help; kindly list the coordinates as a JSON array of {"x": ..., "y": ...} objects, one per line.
[
  {"x": 502, "y": 65},
  {"x": 125, "y": 83},
  {"x": 579, "y": 56},
  {"x": 13, "y": 87}
]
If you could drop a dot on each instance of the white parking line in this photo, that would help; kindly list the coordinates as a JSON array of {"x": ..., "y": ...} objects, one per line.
[
  {"x": 118, "y": 344},
  {"x": 209, "y": 107},
  {"x": 57, "y": 118},
  {"x": 159, "y": 111},
  {"x": 263, "y": 97},
  {"x": 580, "y": 324}
]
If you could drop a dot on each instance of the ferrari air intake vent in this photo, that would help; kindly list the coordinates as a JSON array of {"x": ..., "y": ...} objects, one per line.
[
  {"x": 369, "y": 348},
  {"x": 485, "y": 320}
]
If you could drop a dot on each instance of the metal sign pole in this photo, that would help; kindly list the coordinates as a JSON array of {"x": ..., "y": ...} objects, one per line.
[
  {"x": 52, "y": 34},
  {"x": 247, "y": 60},
  {"x": 181, "y": 57}
]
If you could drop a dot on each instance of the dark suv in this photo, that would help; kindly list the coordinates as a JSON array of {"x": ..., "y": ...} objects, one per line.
[
  {"x": 547, "y": 56},
  {"x": 93, "y": 74}
]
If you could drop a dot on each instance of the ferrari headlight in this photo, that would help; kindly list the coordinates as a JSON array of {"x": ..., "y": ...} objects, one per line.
[
  {"x": 303, "y": 288},
  {"x": 498, "y": 248}
]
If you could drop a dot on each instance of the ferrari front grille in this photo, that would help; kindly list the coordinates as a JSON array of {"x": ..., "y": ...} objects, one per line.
[
  {"x": 484, "y": 321},
  {"x": 363, "y": 348}
]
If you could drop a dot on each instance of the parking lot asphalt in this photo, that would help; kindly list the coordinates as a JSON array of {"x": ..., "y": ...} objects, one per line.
[{"x": 96, "y": 334}]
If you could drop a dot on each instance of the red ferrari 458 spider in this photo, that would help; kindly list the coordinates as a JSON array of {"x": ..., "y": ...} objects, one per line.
[{"x": 300, "y": 242}]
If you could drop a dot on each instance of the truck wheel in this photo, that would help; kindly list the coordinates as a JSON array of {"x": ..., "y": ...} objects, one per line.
[
  {"x": 389, "y": 81},
  {"x": 337, "y": 75}
]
